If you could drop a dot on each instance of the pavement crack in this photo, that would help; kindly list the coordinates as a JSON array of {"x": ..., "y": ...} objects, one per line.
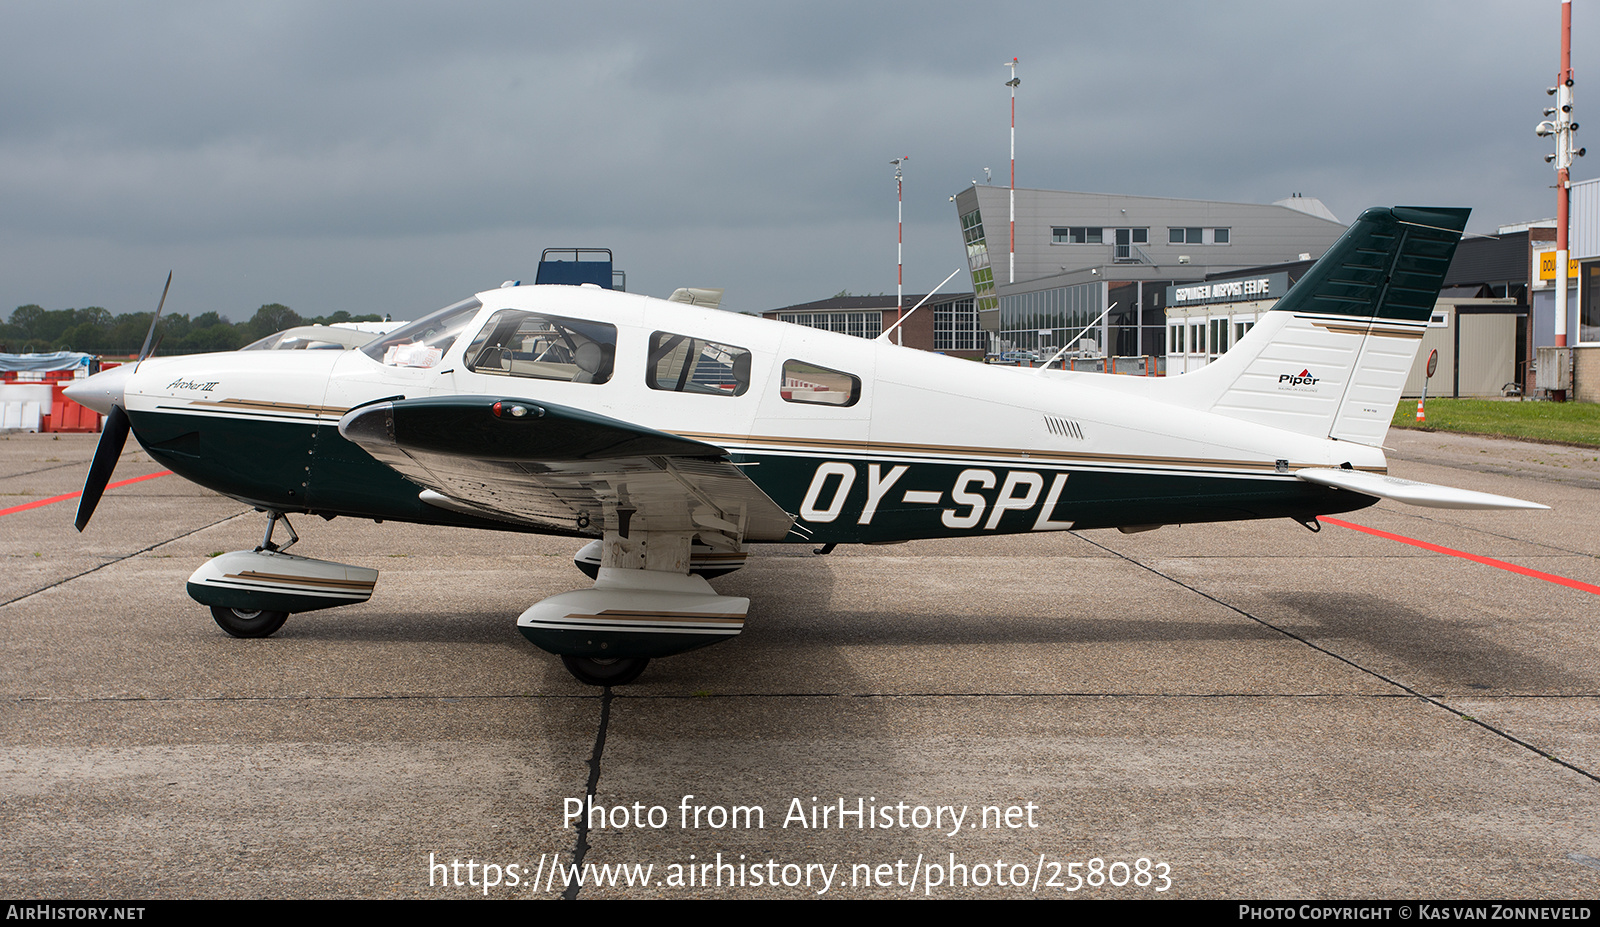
[
  {"x": 388, "y": 697},
  {"x": 1507, "y": 735},
  {"x": 71, "y": 463},
  {"x": 143, "y": 550},
  {"x": 1495, "y": 534},
  {"x": 574, "y": 880}
]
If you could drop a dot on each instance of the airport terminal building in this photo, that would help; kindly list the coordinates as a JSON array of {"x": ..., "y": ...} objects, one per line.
[{"x": 1078, "y": 253}]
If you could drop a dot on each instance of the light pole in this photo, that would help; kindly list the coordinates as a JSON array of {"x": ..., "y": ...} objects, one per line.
[
  {"x": 899, "y": 243},
  {"x": 1011, "y": 275}
]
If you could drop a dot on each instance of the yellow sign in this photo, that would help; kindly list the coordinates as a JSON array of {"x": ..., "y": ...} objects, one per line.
[{"x": 1547, "y": 266}]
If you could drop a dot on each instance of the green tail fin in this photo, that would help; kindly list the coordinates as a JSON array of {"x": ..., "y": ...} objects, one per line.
[{"x": 1389, "y": 265}]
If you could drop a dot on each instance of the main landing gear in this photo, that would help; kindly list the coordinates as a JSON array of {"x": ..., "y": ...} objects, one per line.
[
  {"x": 646, "y": 603},
  {"x": 602, "y": 672}
]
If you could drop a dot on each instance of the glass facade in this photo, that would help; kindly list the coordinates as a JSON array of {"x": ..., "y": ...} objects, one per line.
[
  {"x": 978, "y": 261},
  {"x": 1042, "y": 321}
]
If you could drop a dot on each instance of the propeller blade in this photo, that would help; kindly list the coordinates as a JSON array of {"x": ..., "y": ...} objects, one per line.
[
  {"x": 145, "y": 351},
  {"x": 112, "y": 438}
]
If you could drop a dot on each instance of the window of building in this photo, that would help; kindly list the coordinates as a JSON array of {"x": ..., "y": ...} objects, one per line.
[
  {"x": 1078, "y": 235},
  {"x": 515, "y": 343},
  {"x": 1589, "y": 304},
  {"x": 1191, "y": 235},
  {"x": 682, "y": 364},
  {"x": 1219, "y": 336},
  {"x": 860, "y": 324},
  {"x": 955, "y": 326},
  {"x": 809, "y": 383},
  {"x": 977, "y": 262}
]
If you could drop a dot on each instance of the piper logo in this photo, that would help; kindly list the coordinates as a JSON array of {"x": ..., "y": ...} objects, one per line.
[{"x": 1303, "y": 378}]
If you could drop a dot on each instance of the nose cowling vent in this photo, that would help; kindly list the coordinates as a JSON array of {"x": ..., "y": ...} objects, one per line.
[{"x": 1064, "y": 427}]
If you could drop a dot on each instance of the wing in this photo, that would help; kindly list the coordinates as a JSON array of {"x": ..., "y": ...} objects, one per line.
[
  {"x": 557, "y": 467},
  {"x": 1411, "y": 492}
]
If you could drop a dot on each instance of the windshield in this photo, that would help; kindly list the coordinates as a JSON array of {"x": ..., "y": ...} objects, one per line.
[{"x": 424, "y": 342}]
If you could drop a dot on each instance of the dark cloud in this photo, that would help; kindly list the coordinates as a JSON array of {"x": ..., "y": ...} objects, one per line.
[{"x": 385, "y": 157}]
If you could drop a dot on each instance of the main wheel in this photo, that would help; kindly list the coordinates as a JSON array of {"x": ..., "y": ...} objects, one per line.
[
  {"x": 598, "y": 672},
  {"x": 241, "y": 622}
]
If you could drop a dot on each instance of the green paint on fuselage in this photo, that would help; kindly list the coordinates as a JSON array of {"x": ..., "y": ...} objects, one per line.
[
  {"x": 289, "y": 467},
  {"x": 1088, "y": 499},
  {"x": 310, "y": 467}
]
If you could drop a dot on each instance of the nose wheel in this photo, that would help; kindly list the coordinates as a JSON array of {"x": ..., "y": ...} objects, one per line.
[
  {"x": 595, "y": 671},
  {"x": 243, "y": 622}
]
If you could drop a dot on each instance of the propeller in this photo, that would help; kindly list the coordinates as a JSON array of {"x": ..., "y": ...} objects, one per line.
[
  {"x": 146, "y": 351},
  {"x": 114, "y": 434}
]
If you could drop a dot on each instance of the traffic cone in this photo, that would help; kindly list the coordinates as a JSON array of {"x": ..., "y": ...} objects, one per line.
[{"x": 1420, "y": 416}]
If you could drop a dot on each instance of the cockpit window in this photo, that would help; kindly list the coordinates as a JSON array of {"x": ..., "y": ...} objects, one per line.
[
  {"x": 547, "y": 347},
  {"x": 809, "y": 383},
  {"x": 681, "y": 364},
  {"x": 424, "y": 342}
]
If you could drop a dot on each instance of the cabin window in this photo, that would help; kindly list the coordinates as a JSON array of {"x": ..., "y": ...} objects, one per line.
[
  {"x": 683, "y": 364},
  {"x": 543, "y": 347},
  {"x": 809, "y": 383}
]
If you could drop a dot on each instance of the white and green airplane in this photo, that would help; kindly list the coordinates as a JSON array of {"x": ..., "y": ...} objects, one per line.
[{"x": 672, "y": 437}]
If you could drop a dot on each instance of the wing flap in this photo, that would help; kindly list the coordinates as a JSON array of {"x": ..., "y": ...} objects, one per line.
[
  {"x": 1411, "y": 492},
  {"x": 563, "y": 468}
]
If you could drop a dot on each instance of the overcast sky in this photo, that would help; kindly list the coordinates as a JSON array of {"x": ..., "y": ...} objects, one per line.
[{"x": 395, "y": 157}]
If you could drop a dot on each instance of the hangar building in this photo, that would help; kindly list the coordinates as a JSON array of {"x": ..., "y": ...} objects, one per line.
[{"x": 948, "y": 323}]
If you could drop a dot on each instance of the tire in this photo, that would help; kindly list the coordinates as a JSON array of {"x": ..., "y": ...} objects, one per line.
[
  {"x": 240, "y": 622},
  {"x": 596, "y": 672}
]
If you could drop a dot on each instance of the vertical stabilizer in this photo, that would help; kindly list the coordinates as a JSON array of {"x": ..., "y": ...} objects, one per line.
[{"x": 1332, "y": 356}]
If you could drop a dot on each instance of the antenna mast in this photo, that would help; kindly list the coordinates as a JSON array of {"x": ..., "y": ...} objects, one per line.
[
  {"x": 899, "y": 244},
  {"x": 1011, "y": 276}
]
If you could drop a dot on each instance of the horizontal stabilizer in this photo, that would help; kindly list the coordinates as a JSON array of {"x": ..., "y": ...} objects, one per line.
[{"x": 1410, "y": 491}]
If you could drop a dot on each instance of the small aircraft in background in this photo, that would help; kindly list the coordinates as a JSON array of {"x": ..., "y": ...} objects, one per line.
[{"x": 669, "y": 437}]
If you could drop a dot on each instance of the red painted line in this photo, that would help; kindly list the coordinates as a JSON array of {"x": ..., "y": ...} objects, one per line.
[
  {"x": 1486, "y": 561},
  {"x": 73, "y": 495}
]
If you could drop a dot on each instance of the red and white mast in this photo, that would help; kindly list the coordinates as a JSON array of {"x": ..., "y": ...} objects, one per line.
[
  {"x": 1011, "y": 276},
  {"x": 899, "y": 244}
]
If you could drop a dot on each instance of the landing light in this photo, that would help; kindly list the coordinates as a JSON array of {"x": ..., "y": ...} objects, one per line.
[{"x": 515, "y": 410}]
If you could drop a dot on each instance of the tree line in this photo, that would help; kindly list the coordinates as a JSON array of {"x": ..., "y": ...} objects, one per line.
[{"x": 34, "y": 329}]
